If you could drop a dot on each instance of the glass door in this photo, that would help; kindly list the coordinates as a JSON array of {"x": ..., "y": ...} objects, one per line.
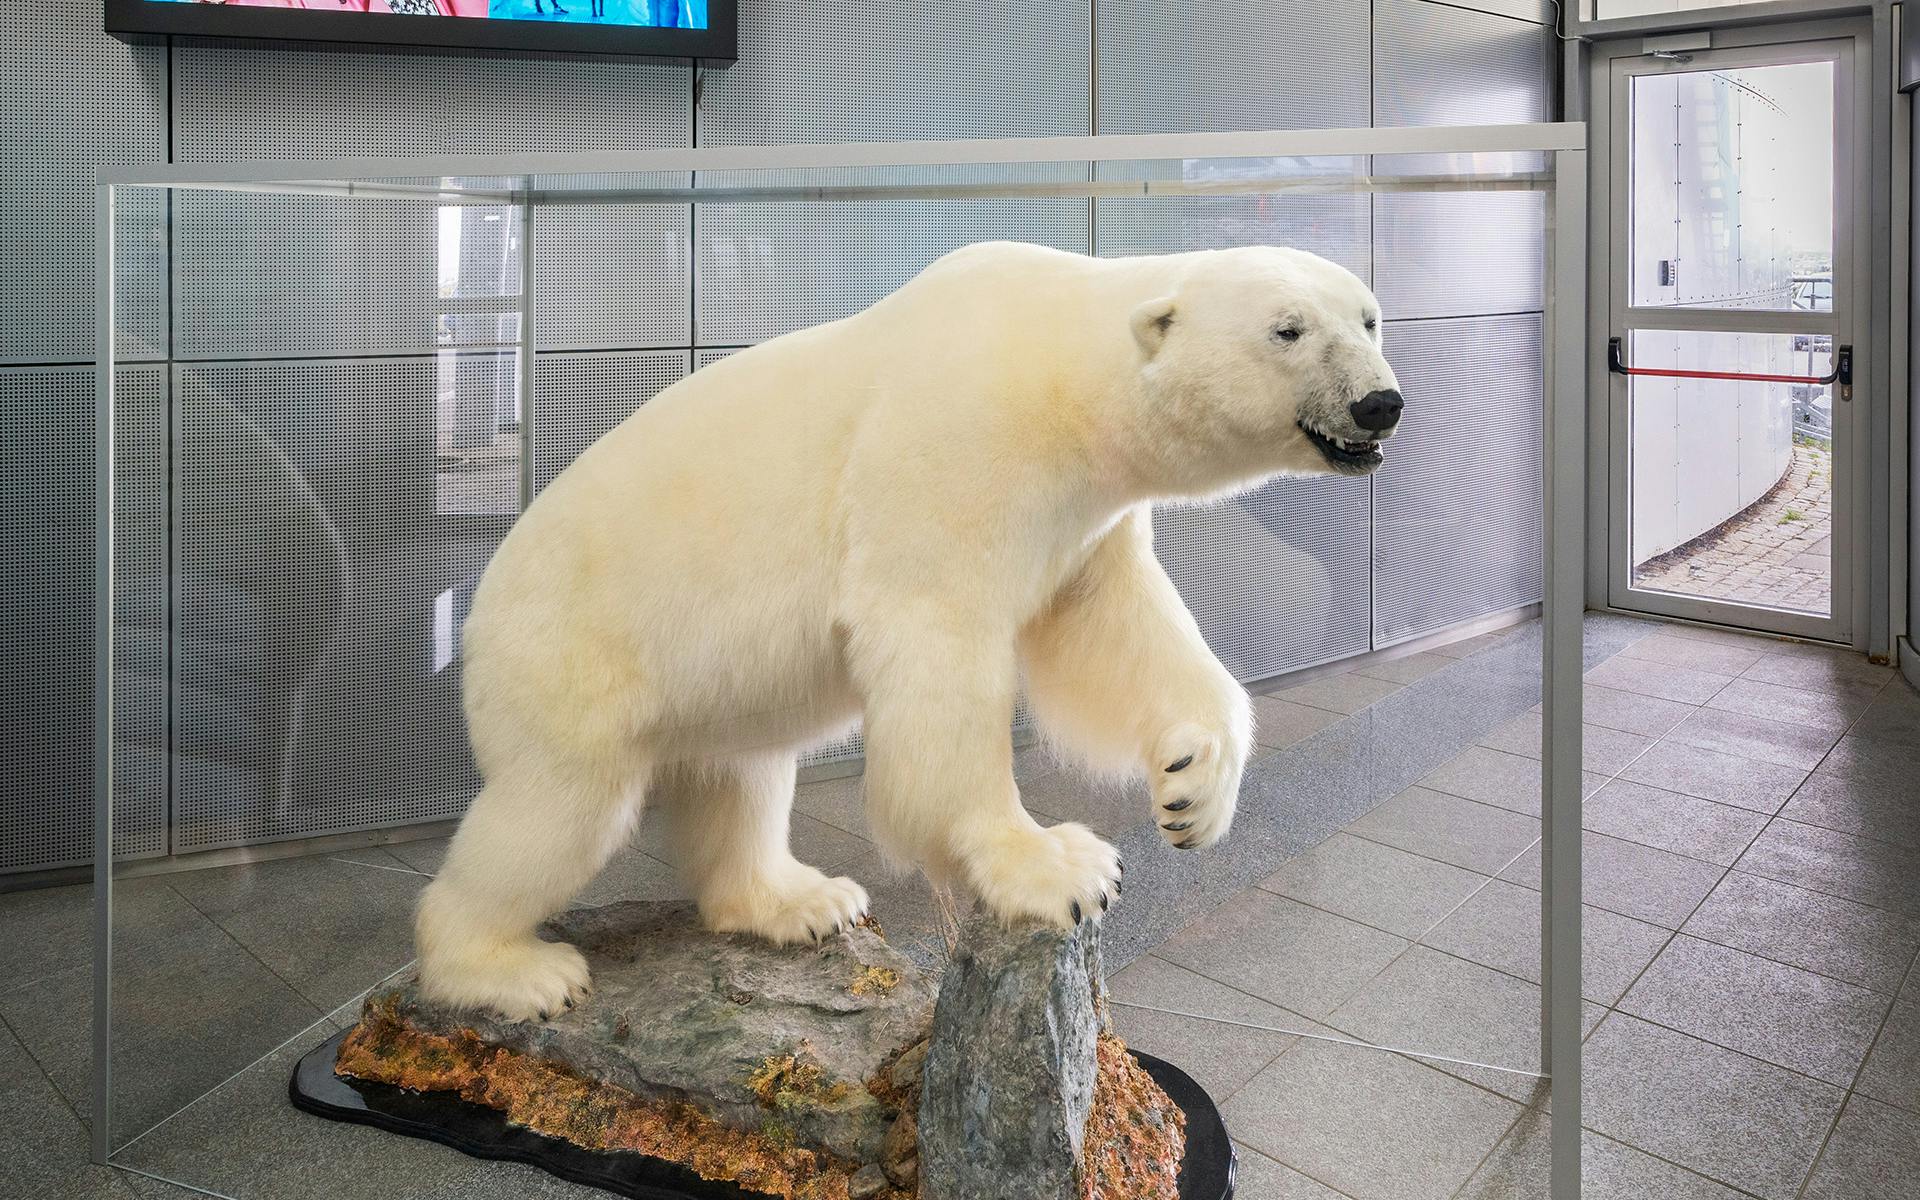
[{"x": 1731, "y": 337}]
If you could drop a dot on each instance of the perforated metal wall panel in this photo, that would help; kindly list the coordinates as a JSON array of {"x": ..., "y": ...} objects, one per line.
[
  {"x": 1277, "y": 578},
  {"x": 78, "y": 99},
  {"x": 1335, "y": 227},
  {"x": 763, "y": 270},
  {"x": 46, "y": 616},
  {"x": 1457, "y": 254},
  {"x": 578, "y": 397},
  {"x": 370, "y": 275},
  {"x": 831, "y": 71},
  {"x": 1230, "y": 64},
  {"x": 1458, "y": 506},
  {"x": 331, "y": 518}
]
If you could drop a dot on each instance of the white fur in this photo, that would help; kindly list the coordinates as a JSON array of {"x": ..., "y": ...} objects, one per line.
[{"x": 894, "y": 517}]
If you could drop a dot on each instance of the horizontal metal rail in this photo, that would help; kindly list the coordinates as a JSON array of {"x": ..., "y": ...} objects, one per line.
[{"x": 1841, "y": 374}]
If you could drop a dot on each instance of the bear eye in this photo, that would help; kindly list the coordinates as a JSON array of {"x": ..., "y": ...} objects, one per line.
[
  {"x": 1287, "y": 333},
  {"x": 1373, "y": 323}
]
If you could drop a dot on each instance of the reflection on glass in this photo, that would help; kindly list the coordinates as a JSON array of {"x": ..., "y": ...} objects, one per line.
[
  {"x": 1731, "y": 483},
  {"x": 1732, "y": 203}
]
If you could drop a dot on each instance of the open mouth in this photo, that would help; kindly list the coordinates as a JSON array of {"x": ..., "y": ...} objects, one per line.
[{"x": 1341, "y": 453}]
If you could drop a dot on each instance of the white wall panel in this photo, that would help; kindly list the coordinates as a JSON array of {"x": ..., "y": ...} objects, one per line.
[
  {"x": 1458, "y": 506},
  {"x": 1457, "y": 254}
]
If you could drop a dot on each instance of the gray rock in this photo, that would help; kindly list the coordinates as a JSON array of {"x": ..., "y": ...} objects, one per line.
[
  {"x": 680, "y": 1013},
  {"x": 1009, "y": 1075},
  {"x": 869, "y": 1181}
]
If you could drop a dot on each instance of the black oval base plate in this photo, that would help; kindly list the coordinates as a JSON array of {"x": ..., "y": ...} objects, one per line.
[{"x": 1206, "y": 1174}]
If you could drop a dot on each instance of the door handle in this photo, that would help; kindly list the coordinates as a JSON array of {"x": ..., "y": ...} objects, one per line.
[{"x": 1841, "y": 374}]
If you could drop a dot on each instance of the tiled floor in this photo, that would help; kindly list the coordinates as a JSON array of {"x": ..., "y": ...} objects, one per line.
[
  {"x": 1752, "y": 878},
  {"x": 1753, "y": 912}
]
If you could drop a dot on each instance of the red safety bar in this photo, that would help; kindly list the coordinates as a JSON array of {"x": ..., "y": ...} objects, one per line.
[{"x": 1842, "y": 372}]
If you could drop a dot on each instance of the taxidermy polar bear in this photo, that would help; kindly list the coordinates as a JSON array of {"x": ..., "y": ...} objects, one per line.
[{"x": 896, "y": 518}]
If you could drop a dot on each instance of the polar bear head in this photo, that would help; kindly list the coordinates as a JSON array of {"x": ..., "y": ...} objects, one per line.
[{"x": 1270, "y": 360}]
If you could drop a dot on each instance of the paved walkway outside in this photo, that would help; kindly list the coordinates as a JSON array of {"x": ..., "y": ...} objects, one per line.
[{"x": 1776, "y": 551}]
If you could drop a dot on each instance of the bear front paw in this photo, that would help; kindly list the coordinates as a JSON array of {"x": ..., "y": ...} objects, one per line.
[
  {"x": 1058, "y": 876},
  {"x": 1195, "y": 780},
  {"x": 527, "y": 980},
  {"x": 791, "y": 905}
]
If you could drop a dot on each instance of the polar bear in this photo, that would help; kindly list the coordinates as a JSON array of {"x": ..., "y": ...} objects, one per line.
[{"x": 898, "y": 518}]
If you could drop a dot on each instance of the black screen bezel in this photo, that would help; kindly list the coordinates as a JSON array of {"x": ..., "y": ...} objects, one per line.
[{"x": 717, "y": 42}]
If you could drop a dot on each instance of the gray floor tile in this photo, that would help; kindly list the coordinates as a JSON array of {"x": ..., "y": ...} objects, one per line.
[
  {"x": 422, "y": 855},
  {"x": 1261, "y": 1178},
  {"x": 1776, "y": 702},
  {"x": 1761, "y": 642},
  {"x": 1609, "y": 1170},
  {"x": 1372, "y": 1125},
  {"x": 48, "y": 930},
  {"x": 1839, "y": 864},
  {"x": 1432, "y": 1003},
  {"x": 1636, "y": 812},
  {"x": 1839, "y": 938},
  {"x": 1778, "y": 742},
  {"x": 1694, "y": 654},
  {"x": 1406, "y": 668},
  {"x": 1893, "y": 766},
  {"x": 1345, "y": 693},
  {"x": 1631, "y": 879},
  {"x": 1468, "y": 647},
  {"x": 244, "y": 1140},
  {"x": 1893, "y": 716},
  {"x": 1496, "y": 777},
  {"x": 632, "y": 876},
  {"x": 43, "y": 1146},
  {"x": 1630, "y": 712},
  {"x": 189, "y": 1010},
  {"x": 1892, "y": 1073},
  {"x": 1374, "y": 884},
  {"x": 1727, "y": 1116},
  {"x": 1220, "y": 1057},
  {"x": 1779, "y": 1014},
  {"x": 328, "y": 928},
  {"x": 1713, "y": 775},
  {"x": 1283, "y": 951},
  {"x": 1874, "y": 1154},
  {"x": 1279, "y": 723},
  {"x": 1603, "y": 750},
  {"x": 1814, "y": 669},
  {"x": 1499, "y": 927},
  {"x": 1453, "y": 830},
  {"x": 1647, "y": 678},
  {"x": 840, "y": 802},
  {"x": 1879, "y": 809},
  {"x": 1106, "y": 806}
]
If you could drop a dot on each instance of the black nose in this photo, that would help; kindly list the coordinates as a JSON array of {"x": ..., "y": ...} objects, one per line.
[{"x": 1377, "y": 410}]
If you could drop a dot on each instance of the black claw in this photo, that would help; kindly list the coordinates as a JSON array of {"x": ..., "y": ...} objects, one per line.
[
  {"x": 568, "y": 1002},
  {"x": 1182, "y": 765},
  {"x": 1186, "y": 845},
  {"x": 1104, "y": 901},
  {"x": 812, "y": 935},
  {"x": 1178, "y": 805},
  {"x": 543, "y": 1014},
  {"x": 1177, "y": 826},
  {"x": 1076, "y": 912}
]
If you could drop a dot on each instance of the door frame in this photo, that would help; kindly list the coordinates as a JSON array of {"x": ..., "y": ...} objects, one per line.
[{"x": 1859, "y": 558}]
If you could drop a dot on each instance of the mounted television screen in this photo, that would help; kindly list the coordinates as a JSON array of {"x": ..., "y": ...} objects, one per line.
[{"x": 680, "y": 28}]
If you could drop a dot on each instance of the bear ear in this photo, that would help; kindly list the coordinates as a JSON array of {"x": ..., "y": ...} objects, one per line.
[{"x": 1150, "y": 324}]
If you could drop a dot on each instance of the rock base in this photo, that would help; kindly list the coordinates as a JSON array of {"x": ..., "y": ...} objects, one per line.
[{"x": 809, "y": 1073}]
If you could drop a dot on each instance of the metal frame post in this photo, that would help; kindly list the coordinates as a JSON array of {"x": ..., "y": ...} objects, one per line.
[
  {"x": 103, "y": 350},
  {"x": 1561, "y": 666},
  {"x": 527, "y": 462}
]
